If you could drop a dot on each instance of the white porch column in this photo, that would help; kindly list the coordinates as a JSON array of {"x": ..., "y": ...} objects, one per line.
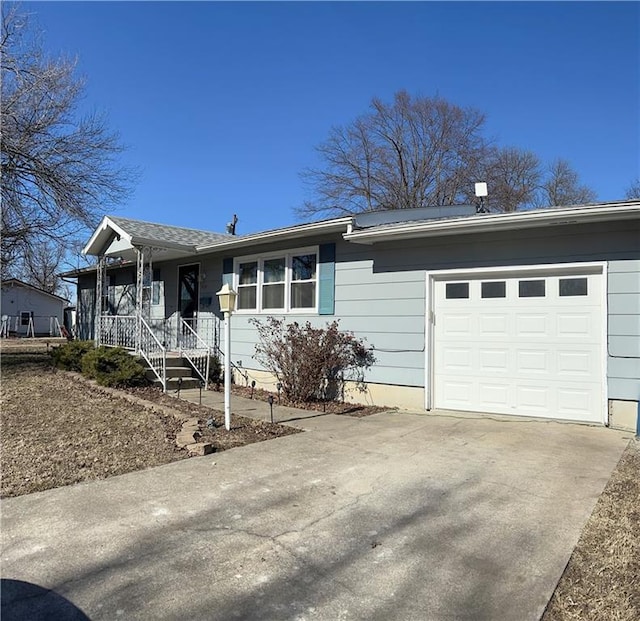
[
  {"x": 101, "y": 269},
  {"x": 144, "y": 278},
  {"x": 139, "y": 297}
]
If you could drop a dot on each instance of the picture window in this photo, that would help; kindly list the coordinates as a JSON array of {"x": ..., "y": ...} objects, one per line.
[{"x": 286, "y": 282}]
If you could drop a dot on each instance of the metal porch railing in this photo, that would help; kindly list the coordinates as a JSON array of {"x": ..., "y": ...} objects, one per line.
[
  {"x": 152, "y": 350},
  {"x": 117, "y": 331},
  {"x": 195, "y": 349}
]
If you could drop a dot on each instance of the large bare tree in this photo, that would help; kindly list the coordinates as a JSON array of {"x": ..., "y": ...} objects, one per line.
[
  {"x": 633, "y": 191},
  {"x": 59, "y": 169},
  {"x": 421, "y": 151},
  {"x": 413, "y": 152}
]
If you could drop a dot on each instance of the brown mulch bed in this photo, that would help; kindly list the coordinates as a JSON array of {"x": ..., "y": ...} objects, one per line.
[
  {"x": 330, "y": 407},
  {"x": 243, "y": 430},
  {"x": 602, "y": 578}
]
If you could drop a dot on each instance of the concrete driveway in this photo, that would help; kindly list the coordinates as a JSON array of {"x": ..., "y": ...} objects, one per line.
[{"x": 395, "y": 516}]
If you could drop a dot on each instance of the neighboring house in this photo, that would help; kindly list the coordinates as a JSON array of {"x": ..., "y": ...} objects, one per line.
[
  {"x": 533, "y": 313},
  {"x": 27, "y": 310}
]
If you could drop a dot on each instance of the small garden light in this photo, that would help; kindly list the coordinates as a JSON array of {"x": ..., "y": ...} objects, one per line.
[{"x": 271, "y": 407}]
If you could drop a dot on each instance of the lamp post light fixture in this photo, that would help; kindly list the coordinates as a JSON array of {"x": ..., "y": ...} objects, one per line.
[{"x": 227, "y": 297}]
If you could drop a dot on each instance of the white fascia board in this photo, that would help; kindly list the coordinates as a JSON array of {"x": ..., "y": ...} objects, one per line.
[
  {"x": 339, "y": 225},
  {"x": 100, "y": 236},
  {"x": 155, "y": 243},
  {"x": 497, "y": 222}
]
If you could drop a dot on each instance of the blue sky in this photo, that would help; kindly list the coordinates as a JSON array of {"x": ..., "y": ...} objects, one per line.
[{"x": 222, "y": 104}]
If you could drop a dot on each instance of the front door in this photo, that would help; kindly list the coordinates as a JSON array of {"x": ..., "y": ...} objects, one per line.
[{"x": 188, "y": 292}]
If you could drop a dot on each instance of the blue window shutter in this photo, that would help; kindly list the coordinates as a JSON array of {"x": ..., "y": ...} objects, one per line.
[
  {"x": 326, "y": 279},
  {"x": 227, "y": 272}
]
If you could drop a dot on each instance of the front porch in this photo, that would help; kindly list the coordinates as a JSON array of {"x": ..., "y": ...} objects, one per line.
[
  {"x": 196, "y": 340},
  {"x": 150, "y": 296}
]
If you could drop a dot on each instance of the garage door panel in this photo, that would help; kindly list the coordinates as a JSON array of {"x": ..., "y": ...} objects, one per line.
[
  {"x": 457, "y": 359},
  {"x": 534, "y": 399},
  {"x": 493, "y": 325},
  {"x": 493, "y": 395},
  {"x": 576, "y": 363},
  {"x": 493, "y": 360},
  {"x": 575, "y": 404},
  {"x": 457, "y": 325},
  {"x": 575, "y": 325},
  {"x": 535, "y": 351},
  {"x": 459, "y": 392},
  {"x": 532, "y": 325},
  {"x": 532, "y": 361}
]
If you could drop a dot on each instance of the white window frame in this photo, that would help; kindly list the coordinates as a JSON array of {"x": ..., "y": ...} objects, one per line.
[{"x": 288, "y": 281}]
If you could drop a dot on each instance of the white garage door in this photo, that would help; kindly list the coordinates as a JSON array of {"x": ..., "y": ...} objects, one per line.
[{"x": 525, "y": 343}]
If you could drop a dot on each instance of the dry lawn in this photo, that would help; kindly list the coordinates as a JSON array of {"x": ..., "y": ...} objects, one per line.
[
  {"x": 602, "y": 580},
  {"x": 59, "y": 429}
]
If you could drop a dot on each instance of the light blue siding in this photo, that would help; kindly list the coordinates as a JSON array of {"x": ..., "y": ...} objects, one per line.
[
  {"x": 380, "y": 291},
  {"x": 623, "y": 338}
]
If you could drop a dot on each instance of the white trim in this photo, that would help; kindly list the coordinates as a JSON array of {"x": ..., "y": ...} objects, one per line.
[
  {"x": 288, "y": 256},
  {"x": 589, "y": 267},
  {"x": 293, "y": 232},
  {"x": 604, "y": 353},
  {"x": 428, "y": 332}
]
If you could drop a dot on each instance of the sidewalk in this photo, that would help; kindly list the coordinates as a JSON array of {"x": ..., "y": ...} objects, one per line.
[{"x": 310, "y": 420}]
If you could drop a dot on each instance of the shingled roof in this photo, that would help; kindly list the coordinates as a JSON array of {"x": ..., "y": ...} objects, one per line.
[{"x": 166, "y": 233}]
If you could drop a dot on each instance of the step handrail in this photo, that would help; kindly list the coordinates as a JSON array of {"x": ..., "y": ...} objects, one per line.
[
  {"x": 195, "y": 359},
  {"x": 153, "y": 352}
]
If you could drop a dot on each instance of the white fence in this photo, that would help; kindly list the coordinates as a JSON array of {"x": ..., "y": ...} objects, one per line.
[{"x": 27, "y": 324}]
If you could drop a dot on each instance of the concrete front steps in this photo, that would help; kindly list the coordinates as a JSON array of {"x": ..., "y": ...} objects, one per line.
[{"x": 178, "y": 368}]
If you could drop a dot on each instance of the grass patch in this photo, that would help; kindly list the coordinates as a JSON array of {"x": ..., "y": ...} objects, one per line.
[
  {"x": 602, "y": 578},
  {"x": 59, "y": 429}
]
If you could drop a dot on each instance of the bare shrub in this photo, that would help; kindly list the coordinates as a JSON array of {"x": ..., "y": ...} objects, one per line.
[{"x": 311, "y": 363}]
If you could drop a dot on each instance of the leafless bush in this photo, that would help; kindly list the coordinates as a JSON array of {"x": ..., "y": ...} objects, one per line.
[{"x": 311, "y": 363}]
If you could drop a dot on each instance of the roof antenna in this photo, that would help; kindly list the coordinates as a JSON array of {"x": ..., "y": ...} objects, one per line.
[
  {"x": 481, "y": 192},
  {"x": 231, "y": 226}
]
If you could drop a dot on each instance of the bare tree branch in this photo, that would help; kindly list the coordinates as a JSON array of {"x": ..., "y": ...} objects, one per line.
[
  {"x": 416, "y": 152},
  {"x": 633, "y": 191},
  {"x": 411, "y": 153},
  {"x": 59, "y": 171}
]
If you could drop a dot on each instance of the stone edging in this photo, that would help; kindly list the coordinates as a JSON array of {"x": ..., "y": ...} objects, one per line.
[{"x": 185, "y": 438}]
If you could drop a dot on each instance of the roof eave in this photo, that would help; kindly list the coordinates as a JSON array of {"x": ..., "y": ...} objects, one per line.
[
  {"x": 100, "y": 240},
  {"x": 339, "y": 225},
  {"x": 492, "y": 222}
]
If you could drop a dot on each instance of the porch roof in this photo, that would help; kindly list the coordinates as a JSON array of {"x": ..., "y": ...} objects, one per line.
[{"x": 117, "y": 237}]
